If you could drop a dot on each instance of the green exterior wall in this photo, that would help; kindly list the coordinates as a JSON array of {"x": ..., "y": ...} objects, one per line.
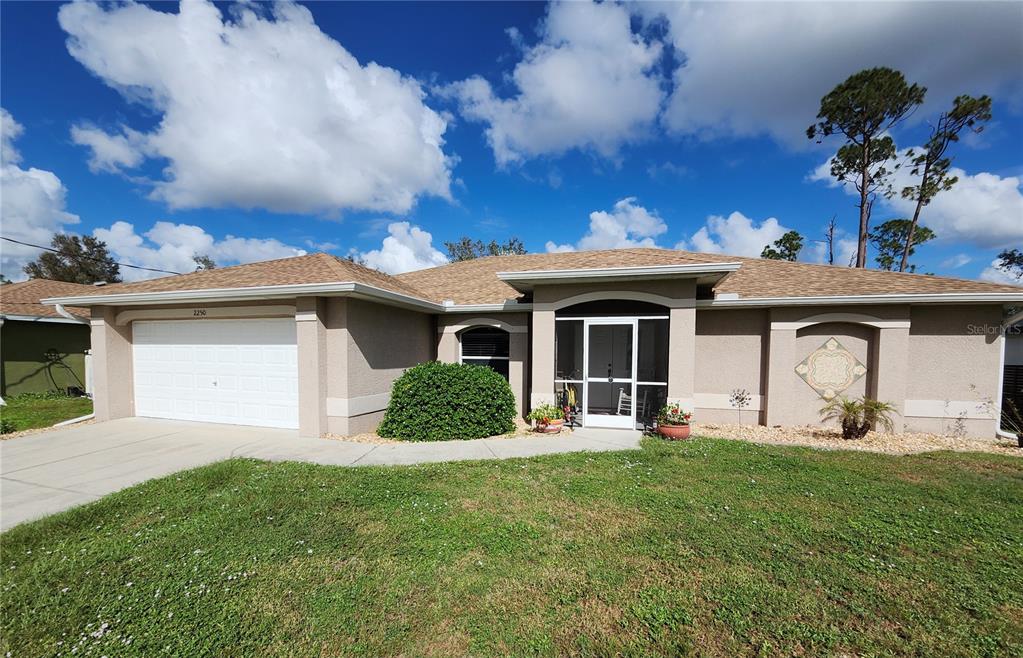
[{"x": 23, "y": 348}]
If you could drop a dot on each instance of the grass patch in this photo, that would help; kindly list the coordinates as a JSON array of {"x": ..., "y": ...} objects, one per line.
[
  {"x": 29, "y": 411},
  {"x": 709, "y": 547}
]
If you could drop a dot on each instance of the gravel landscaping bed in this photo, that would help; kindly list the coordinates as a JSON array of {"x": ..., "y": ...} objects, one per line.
[
  {"x": 903, "y": 443},
  {"x": 522, "y": 430},
  {"x": 40, "y": 430}
]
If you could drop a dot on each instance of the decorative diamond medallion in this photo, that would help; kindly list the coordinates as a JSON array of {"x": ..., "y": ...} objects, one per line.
[{"x": 830, "y": 369}]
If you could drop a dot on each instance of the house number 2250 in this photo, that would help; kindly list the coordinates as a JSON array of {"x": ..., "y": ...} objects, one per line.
[{"x": 198, "y": 313}]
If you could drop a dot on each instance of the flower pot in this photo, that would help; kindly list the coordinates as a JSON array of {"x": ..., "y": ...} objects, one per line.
[
  {"x": 674, "y": 432},
  {"x": 554, "y": 425}
]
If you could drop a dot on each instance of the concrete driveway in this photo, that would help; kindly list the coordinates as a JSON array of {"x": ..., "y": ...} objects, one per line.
[{"x": 41, "y": 474}]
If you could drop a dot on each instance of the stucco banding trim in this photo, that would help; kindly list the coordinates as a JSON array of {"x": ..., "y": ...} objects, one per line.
[
  {"x": 357, "y": 406},
  {"x": 950, "y": 409}
]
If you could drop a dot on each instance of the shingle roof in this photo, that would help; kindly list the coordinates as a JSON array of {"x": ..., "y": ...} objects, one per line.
[
  {"x": 312, "y": 268},
  {"x": 476, "y": 282},
  {"x": 23, "y": 298}
]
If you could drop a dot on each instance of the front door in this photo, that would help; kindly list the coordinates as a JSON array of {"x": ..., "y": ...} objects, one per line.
[{"x": 610, "y": 357}]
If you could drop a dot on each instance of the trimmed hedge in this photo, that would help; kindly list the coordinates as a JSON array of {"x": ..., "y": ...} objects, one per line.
[{"x": 442, "y": 401}]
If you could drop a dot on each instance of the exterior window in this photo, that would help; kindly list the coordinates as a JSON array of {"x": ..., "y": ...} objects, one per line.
[{"x": 486, "y": 346}]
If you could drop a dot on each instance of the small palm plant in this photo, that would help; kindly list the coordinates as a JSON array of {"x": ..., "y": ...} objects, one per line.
[{"x": 858, "y": 417}]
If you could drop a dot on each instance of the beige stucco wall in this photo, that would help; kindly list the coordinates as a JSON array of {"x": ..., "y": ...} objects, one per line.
[
  {"x": 368, "y": 346},
  {"x": 730, "y": 354},
  {"x": 876, "y": 335},
  {"x": 955, "y": 368},
  {"x": 449, "y": 328}
]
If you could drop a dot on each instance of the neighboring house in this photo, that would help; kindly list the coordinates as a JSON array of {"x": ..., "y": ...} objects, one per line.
[
  {"x": 314, "y": 342},
  {"x": 41, "y": 348},
  {"x": 1012, "y": 387}
]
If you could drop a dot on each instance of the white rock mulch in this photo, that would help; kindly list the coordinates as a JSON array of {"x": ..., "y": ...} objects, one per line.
[
  {"x": 40, "y": 430},
  {"x": 903, "y": 443}
]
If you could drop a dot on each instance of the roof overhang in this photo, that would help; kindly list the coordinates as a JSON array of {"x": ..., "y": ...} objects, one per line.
[
  {"x": 704, "y": 273},
  {"x": 258, "y": 293},
  {"x": 726, "y": 301},
  {"x": 331, "y": 289},
  {"x": 39, "y": 318}
]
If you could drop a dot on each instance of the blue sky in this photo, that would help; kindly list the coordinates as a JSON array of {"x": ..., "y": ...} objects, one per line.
[{"x": 256, "y": 133}]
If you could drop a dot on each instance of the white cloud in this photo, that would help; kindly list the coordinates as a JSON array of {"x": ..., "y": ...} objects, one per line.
[
  {"x": 762, "y": 68},
  {"x": 995, "y": 275},
  {"x": 169, "y": 246},
  {"x": 735, "y": 235},
  {"x": 983, "y": 209},
  {"x": 258, "y": 110},
  {"x": 627, "y": 225},
  {"x": 956, "y": 261},
  {"x": 10, "y": 130},
  {"x": 590, "y": 83},
  {"x": 111, "y": 153},
  {"x": 322, "y": 246},
  {"x": 407, "y": 248},
  {"x": 32, "y": 203}
]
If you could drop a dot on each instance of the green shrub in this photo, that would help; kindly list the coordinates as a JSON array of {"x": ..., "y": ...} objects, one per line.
[
  {"x": 441, "y": 401},
  {"x": 7, "y": 426}
]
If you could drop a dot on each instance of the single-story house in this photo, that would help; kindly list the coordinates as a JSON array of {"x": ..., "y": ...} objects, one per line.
[
  {"x": 314, "y": 342},
  {"x": 42, "y": 348}
]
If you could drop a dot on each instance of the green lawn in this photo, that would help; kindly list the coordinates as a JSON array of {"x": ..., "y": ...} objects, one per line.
[
  {"x": 710, "y": 547},
  {"x": 31, "y": 411}
]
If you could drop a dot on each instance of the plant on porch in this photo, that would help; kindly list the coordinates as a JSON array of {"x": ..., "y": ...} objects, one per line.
[
  {"x": 673, "y": 421},
  {"x": 547, "y": 418},
  {"x": 858, "y": 417}
]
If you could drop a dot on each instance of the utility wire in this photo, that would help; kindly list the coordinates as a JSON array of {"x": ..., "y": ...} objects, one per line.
[{"x": 98, "y": 260}]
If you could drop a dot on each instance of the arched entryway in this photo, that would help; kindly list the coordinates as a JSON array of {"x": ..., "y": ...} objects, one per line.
[{"x": 611, "y": 361}]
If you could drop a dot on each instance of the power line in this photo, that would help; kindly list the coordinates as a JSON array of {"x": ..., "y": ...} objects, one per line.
[{"x": 93, "y": 258}]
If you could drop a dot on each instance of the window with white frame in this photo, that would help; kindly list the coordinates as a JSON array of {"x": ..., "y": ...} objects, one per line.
[{"x": 486, "y": 346}]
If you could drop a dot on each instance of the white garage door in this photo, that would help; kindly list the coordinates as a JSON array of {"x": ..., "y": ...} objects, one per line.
[{"x": 243, "y": 372}]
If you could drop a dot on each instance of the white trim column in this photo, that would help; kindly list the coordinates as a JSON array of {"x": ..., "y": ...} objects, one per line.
[{"x": 311, "y": 332}]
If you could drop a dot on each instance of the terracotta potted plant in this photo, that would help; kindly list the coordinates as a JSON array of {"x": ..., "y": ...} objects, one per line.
[
  {"x": 673, "y": 422},
  {"x": 547, "y": 418}
]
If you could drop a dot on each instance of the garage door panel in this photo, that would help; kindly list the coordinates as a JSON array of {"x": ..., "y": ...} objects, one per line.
[{"x": 226, "y": 371}]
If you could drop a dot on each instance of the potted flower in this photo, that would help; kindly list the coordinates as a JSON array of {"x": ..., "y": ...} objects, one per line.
[
  {"x": 547, "y": 418},
  {"x": 673, "y": 422}
]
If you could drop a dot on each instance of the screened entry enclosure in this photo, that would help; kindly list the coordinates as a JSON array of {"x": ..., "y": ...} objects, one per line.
[{"x": 612, "y": 369}]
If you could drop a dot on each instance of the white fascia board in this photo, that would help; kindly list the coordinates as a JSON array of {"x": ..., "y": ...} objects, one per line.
[
  {"x": 648, "y": 271},
  {"x": 40, "y": 318},
  {"x": 242, "y": 294},
  {"x": 359, "y": 290},
  {"x": 924, "y": 298},
  {"x": 504, "y": 307}
]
